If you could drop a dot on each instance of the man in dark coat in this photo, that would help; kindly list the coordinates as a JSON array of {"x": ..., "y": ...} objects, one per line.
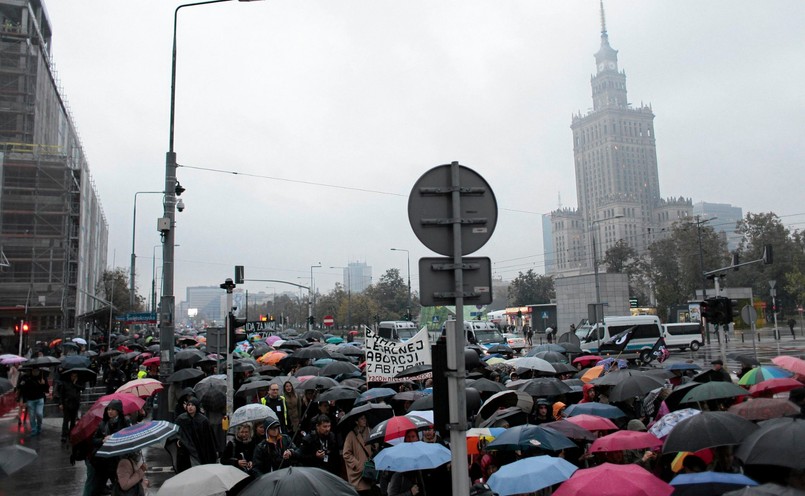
[
  {"x": 114, "y": 378},
  {"x": 68, "y": 397},
  {"x": 320, "y": 447},
  {"x": 277, "y": 404},
  {"x": 32, "y": 389},
  {"x": 100, "y": 470},
  {"x": 718, "y": 373},
  {"x": 276, "y": 451},
  {"x": 197, "y": 444}
]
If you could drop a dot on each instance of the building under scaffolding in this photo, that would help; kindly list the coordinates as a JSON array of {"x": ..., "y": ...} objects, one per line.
[{"x": 53, "y": 233}]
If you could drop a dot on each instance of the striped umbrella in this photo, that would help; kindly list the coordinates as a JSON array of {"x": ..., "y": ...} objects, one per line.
[
  {"x": 760, "y": 374},
  {"x": 137, "y": 437}
]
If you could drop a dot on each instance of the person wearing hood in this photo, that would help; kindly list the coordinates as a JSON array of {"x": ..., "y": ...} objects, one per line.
[
  {"x": 559, "y": 410},
  {"x": 100, "y": 470},
  {"x": 184, "y": 395},
  {"x": 589, "y": 393},
  {"x": 277, "y": 450},
  {"x": 540, "y": 414},
  {"x": 197, "y": 444}
]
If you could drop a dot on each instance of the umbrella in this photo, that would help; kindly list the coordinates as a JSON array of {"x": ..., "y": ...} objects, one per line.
[
  {"x": 418, "y": 455},
  {"x": 745, "y": 360},
  {"x": 552, "y": 356},
  {"x": 313, "y": 335},
  {"x": 203, "y": 480},
  {"x": 713, "y": 391},
  {"x": 75, "y": 362},
  {"x": 635, "y": 385},
  {"x": 615, "y": 377},
  {"x": 503, "y": 349},
  {"x": 532, "y": 363},
  {"x": 338, "y": 368},
  {"x": 625, "y": 440},
  {"x": 709, "y": 483},
  {"x": 576, "y": 385},
  {"x": 546, "y": 347},
  {"x": 241, "y": 366},
  {"x": 110, "y": 354},
  {"x": 484, "y": 385},
  {"x": 374, "y": 394},
  {"x": 571, "y": 430},
  {"x": 393, "y": 430},
  {"x": 764, "y": 408},
  {"x": 708, "y": 430},
  {"x": 599, "y": 409},
  {"x": 141, "y": 387},
  {"x": 14, "y": 458},
  {"x": 252, "y": 386},
  {"x": 210, "y": 383},
  {"x": 84, "y": 375},
  {"x": 610, "y": 479},
  {"x": 592, "y": 422},
  {"x": 374, "y": 412},
  {"x": 187, "y": 358},
  {"x": 512, "y": 415},
  {"x": 185, "y": 375},
  {"x": 773, "y": 386},
  {"x": 544, "y": 387},
  {"x": 251, "y": 413},
  {"x": 310, "y": 353},
  {"x": 89, "y": 422},
  {"x": 571, "y": 347},
  {"x": 530, "y": 436},
  {"x": 587, "y": 358},
  {"x": 530, "y": 474},
  {"x": 667, "y": 422},
  {"x": 504, "y": 399},
  {"x": 80, "y": 341},
  {"x": 339, "y": 393},
  {"x": 151, "y": 361},
  {"x": 682, "y": 366},
  {"x": 308, "y": 370},
  {"x": 792, "y": 364},
  {"x": 289, "y": 344},
  {"x": 136, "y": 437},
  {"x": 272, "y": 357},
  {"x": 760, "y": 374},
  {"x": 779, "y": 442},
  {"x": 322, "y": 383},
  {"x": 335, "y": 340},
  {"x": 768, "y": 489},
  {"x": 423, "y": 403},
  {"x": 43, "y": 361},
  {"x": 11, "y": 359},
  {"x": 299, "y": 481},
  {"x": 408, "y": 396}
]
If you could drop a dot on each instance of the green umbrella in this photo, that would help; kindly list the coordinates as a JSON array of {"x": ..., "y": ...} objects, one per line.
[
  {"x": 714, "y": 391},
  {"x": 335, "y": 340}
]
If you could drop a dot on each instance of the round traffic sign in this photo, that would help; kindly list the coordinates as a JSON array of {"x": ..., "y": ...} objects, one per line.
[
  {"x": 430, "y": 209},
  {"x": 749, "y": 314},
  {"x": 328, "y": 321}
]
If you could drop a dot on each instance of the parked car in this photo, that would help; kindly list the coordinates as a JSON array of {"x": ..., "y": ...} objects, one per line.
[{"x": 515, "y": 341}]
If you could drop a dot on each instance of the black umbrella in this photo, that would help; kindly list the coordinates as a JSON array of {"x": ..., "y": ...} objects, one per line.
[
  {"x": 243, "y": 367},
  {"x": 484, "y": 385},
  {"x": 250, "y": 387},
  {"x": 415, "y": 371},
  {"x": 552, "y": 356},
  {"x": 512, "y": 416},
  {"x": 313, "y": 336},
  {"x": 505, "y": 399},
  {"x": 185, "y": 375},
  {"x": 571, "y": 347},
  {"x": 290, "y": 344},
  {"x": 307, "y": 370},
  {"x": 614, "y": 377},
  {"x": 356, "y": 382},
  {"x": 318, "y": 383},
  {"x": 333, "y": 369},
  {"x": 571, "y": 430},
  {"x": 564, "y": 368},
  {"x": 747, "y": 360},
  {"x": 636, "y": 385},
  {"x": 408, "y": 396},
  {"x": 187, "y": 358},
  {"x": 339, "y": 393},
  {"x": 779, "y": 442},
  {"x": 503, "y": 349},
  {"x": 545, "y": 387},
  {"x": 43, "y": 361},
  {"x": 84, "y": 375},
  {"x": 299, "y": 481},
  {"x": 708, "y": 430},
  {"x": 375, "y": 413},
  {"x": 350, "y": 350},
  {"x": 422, "y": 404},
  {"x": 75, "y": 362},
  {"x": 214, "y": 401},
  {"x": 110, "y": 354},
  {"x": 310, "y": 353},
  {"x": 576, "y": 385},
  {"x": 268, "y": 370}
]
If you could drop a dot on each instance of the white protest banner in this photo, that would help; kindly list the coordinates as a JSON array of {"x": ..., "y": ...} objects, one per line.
[{"x": 386, "y": 358}]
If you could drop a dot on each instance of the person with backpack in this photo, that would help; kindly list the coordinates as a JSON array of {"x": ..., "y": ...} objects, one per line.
[{"x": 130, "y": 480}]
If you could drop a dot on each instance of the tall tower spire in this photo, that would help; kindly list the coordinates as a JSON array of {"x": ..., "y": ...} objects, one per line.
[{"x": 603, "y": 20}]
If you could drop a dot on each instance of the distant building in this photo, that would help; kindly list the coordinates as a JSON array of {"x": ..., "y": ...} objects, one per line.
[
  {"x": 725, "y": 219},
  {"x": 617, "y": 179},
  {"x": 357, "y": 276},
  {"x": 208, "y": 300},
  {"x": 53, "y": 232}
]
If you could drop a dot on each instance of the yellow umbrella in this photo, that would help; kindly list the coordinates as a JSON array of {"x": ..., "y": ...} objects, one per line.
[{"x": 593, "y": 373}]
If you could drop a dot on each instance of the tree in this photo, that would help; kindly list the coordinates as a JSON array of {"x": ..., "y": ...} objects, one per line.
[
  {"x": 531, "y": 288},
  {"x": 114, "y": 287},
  {"x": 391, "y": 295},
  {"x": 621, "y": 258}
]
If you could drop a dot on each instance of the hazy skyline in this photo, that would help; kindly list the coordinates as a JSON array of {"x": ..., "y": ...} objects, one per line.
[{"x": 330, "y": 111}]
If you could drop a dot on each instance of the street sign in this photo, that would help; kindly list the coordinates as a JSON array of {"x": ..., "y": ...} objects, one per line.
[
  {"x": 430, "y": 210},
  {"x": 138, "y": 318},
  {"x": 328, "y": 321},
  {"x": 749, "y": 314},
  {"x": 437, "y": 285}
]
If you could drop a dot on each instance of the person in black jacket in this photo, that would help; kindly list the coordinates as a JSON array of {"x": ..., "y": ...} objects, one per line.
[
  {"x": 32, "y": 389},
  {"x": 320, "y": 447},
  {"x": 100, "y": 470},
  {"x": 239, "y": 452},
  {"x": 197, "y": 444},
  {"x": 68, "y": 397},
  {"x": 115, "y": 377},
  {"x": 276, "y": 451}
]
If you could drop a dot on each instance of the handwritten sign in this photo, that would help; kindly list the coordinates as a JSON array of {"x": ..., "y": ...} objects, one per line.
[{"x": 386, "y": 358}]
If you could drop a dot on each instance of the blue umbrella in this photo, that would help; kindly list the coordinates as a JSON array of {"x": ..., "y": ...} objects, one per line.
[
  {"x": 682, "y": 366},
  {"x": 374, "y": 394},
  {"x": 531, "y": 436},
  {"x": 599, "y": 409},
  {"x": 709, "y": 483},
  {"x": 530, "y": 474},
  {"x": 418, "y": 455}
]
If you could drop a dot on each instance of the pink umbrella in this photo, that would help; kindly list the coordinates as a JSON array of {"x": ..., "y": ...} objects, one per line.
[
  {"x": 792, "y": 364},
  {"x": 151, "y": 361},
  {"x": 614, "y": 480},
  {"x": 625, "y": 440},
  {"x": 141, "y": 387},
  {"x": 772, "y": 386},
  {"x": 272, "y": 339},
  {"x": 10, "y": 359},
  {"x": 593, "y": 422}
]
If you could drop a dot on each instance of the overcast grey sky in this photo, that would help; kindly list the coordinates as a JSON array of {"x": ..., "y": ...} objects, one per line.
[{"x": 330, "y": 110}]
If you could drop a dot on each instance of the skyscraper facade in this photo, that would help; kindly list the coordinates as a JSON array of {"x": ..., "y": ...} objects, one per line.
[{"x": 617, "y": 179}]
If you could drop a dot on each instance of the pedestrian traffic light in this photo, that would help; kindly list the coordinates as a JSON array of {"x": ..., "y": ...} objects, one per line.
[
  {"x": 234, "y": 323},
  {"x": 705, "y": 310},
  {"x": 23, "y": 326},
  {"x": 311, "y": 320}
]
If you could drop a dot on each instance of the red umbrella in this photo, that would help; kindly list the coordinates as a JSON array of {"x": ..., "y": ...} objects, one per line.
[
  {"x": 89, "y": 422},
  {"x": 593, "y": 422},
  {"x": 793, "y": 364},
  {"x": 614, "y": 480},
  {"x": 625, "y": 440},
  {"x": 764, "y": 408},
  {"x": 587, "y": 358},
  {"x": 772, "y": 386},
  {"x": 393, "y": 430},
  {"x": 152, "y": 361}
]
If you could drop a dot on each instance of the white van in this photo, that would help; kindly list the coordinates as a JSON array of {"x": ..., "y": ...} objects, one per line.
[
  {"x": 647, "y": 330},
  {"x": 683, "y": 336},
  {"x": 400, "y": 330},
  {"x": 482, "y": 333}
]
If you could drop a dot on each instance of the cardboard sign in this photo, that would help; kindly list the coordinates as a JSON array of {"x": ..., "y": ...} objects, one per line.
[{"x": 386, "y": 358}]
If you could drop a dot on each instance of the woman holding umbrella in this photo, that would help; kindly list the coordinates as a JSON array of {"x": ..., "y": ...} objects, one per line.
[{"x": 356, "y": 454}]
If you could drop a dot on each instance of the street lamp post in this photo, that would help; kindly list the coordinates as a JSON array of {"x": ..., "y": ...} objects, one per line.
[
  {"x": 598, "y": 307},
  {"x": 167, "y": 225},
  {"x": 349, "y": 295},
  {"x": 133, "y": 236},
  {"x": 311, "y": 293},
  {"x": 408, "y": 257}
]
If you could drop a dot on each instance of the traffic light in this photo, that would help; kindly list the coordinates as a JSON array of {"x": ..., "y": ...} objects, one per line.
[
  {"x": 768, "y": 255},
  {"x": 23, "y": 326},
  {"x": 239, "y": 274},
  {"x": 735, "y": 309},
  {"x": 717, "y": 310},
  {"x": 234, "y": 323},
  {"x": 263, "y": 318},
  {"x": 706, "y": 310},
  {"x": 311, "y": 320}
]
